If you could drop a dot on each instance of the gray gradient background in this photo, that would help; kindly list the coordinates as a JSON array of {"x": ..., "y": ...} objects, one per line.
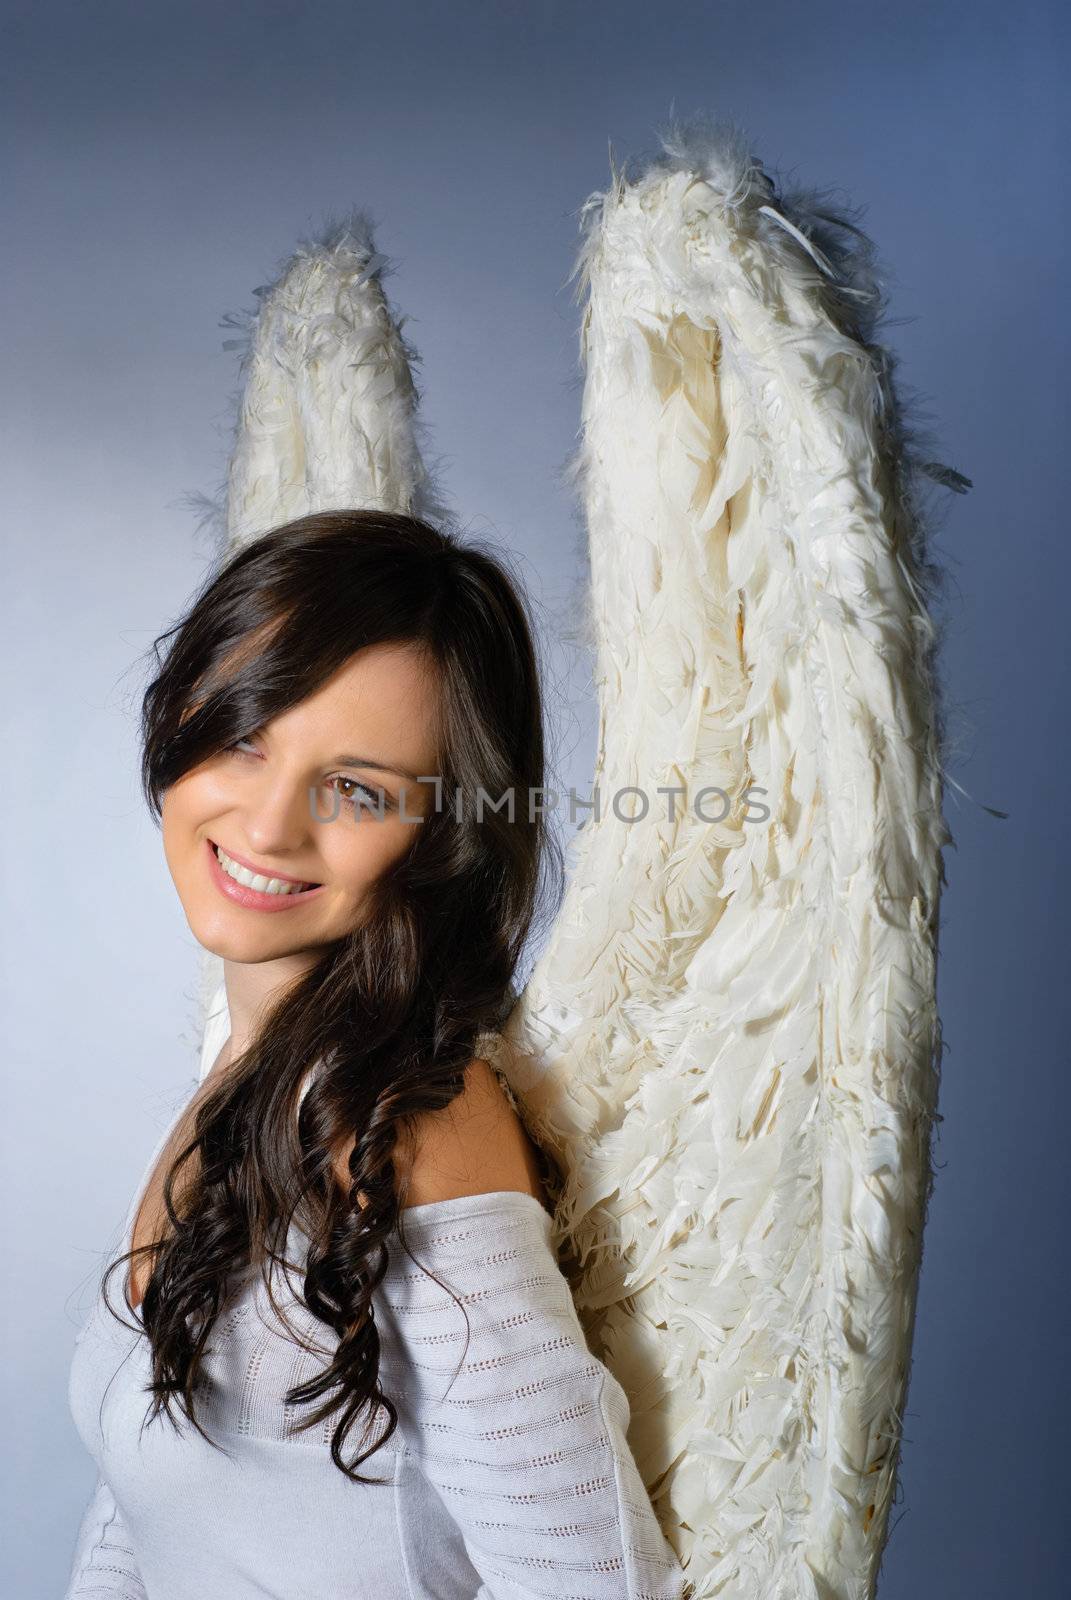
[{"x": 160, "y": 161}]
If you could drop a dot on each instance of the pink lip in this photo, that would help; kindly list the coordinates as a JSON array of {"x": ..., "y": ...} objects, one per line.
[{"x": 256, "y": 899}]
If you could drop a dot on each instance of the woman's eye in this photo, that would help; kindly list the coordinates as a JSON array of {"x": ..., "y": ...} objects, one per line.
[
  {"x": 347, "y": 787},
  {"x": 349, "y": 794}
]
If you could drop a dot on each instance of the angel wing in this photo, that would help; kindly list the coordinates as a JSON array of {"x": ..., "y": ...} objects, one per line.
[{"x": 729, "y": 1044}]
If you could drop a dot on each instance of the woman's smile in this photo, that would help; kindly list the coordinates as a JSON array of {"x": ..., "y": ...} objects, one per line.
[{"x": 257, "y": 891}]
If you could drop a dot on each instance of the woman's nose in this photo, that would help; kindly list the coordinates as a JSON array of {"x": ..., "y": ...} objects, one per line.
[{"x": 277, "y": 817}]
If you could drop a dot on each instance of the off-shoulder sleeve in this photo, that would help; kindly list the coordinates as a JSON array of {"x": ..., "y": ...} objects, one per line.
[
  {"x": 518, "y": 1426},
  {"x": 104, "y": 1562}
]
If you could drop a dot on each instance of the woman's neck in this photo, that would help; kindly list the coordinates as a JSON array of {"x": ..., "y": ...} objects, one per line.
[{"x": 252, "y": 988}]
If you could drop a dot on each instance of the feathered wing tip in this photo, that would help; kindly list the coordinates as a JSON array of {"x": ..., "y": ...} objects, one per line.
[
  {"x": 326, "y": 414},
  {"x": 730, "y": 1044},
  {"x": 836, "y": 264},
  {"x": 326, "y": 418}
]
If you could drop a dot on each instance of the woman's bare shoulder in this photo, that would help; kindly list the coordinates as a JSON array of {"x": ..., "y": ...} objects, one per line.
[{"x": 475, "y": 1145}]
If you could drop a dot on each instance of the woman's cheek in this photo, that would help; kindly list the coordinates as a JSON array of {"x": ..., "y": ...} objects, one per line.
[{"x": 367, "y": 848}]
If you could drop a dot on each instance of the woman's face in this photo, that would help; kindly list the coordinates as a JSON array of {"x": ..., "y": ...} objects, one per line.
[{"x": 266, "y": 803}]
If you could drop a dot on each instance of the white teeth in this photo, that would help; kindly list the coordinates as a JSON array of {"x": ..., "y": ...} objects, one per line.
[{"x": 255, "y": 880}]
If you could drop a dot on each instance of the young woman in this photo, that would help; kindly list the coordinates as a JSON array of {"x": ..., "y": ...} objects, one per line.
[{"x": 364, "y": 1370}]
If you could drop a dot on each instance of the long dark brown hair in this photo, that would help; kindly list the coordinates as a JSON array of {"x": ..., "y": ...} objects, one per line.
[{"x": 391, "y": 1011}]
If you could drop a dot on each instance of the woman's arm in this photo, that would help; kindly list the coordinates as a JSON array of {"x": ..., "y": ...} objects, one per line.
[
  {"x": 104, "y": 1561},
  {"x": 519, "y": 1428},
  {"x": 502, "y": 1405}
]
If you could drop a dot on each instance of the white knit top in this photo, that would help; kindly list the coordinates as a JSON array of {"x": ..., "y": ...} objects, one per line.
[{"x": 508, "y": 1477}]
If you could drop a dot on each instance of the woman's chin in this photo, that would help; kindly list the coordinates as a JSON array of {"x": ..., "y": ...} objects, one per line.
[{"x": 220, "y": 938}]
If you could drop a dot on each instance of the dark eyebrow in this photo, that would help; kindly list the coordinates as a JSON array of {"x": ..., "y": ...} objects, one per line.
[{"x": 379, "y": 766}]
